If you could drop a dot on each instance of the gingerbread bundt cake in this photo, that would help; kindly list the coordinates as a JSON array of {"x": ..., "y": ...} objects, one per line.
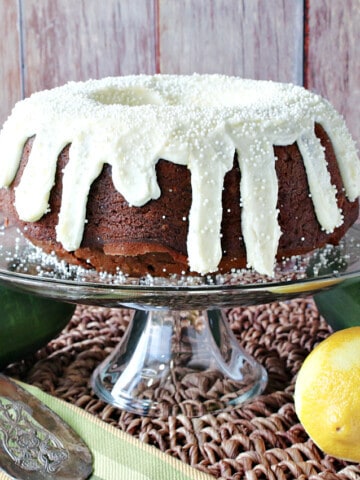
[{"x": 178, "y": 174}]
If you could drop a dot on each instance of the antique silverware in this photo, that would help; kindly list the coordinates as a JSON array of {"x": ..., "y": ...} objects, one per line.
[{"x": 35, "y": 443}]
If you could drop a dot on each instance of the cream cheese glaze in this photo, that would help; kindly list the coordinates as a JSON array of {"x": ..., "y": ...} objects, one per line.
[{"x": 199, "y": 121}]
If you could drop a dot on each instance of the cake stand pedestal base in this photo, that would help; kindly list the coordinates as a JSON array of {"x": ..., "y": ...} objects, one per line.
[{"x": 172, "y": 362}]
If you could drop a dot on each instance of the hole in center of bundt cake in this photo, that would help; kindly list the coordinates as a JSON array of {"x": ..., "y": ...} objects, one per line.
[{"x": 130, "y": 96}]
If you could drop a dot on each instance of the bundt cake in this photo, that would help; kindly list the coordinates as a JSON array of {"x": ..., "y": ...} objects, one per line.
[{"x": 178, "y": 174}]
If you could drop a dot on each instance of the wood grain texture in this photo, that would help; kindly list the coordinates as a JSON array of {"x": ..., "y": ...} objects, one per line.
[
  {"x": 333, "y": 67},
  {"x": 257, "y": 39},
  {"x": 10, "y": 64},
  {"x": 77, "y": 40}
]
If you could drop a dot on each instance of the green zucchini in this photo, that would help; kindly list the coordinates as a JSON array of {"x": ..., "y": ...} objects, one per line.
[
  {"x": 28, "y": 322},
  {"x": 340, "y": 305}
]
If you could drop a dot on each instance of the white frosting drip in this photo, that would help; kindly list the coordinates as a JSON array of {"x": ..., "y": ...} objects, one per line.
[
  {"x": 199, "y": 120},
  {"x": 321, "y": 190},
  {"x": 38, "y": 177},
  {"x": 345, "y": 150},
  {"x": 259, "y": 193},
  {"x": 208, "y": 164}
]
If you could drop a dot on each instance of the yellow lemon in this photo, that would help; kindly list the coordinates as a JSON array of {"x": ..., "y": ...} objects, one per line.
[{"x": 327, "y": 394}]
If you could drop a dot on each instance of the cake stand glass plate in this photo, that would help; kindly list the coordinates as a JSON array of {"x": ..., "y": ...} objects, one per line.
[{"x": 178, "y": 354}]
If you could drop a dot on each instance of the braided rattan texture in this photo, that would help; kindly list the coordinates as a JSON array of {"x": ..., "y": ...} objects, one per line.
[{"x": 260, "y": 440}]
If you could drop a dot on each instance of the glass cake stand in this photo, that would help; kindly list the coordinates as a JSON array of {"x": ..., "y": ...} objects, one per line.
[{"x": 178, "y": 354}]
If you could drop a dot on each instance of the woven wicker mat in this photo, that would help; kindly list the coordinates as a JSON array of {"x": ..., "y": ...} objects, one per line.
[{"x": 260, "y": 440}]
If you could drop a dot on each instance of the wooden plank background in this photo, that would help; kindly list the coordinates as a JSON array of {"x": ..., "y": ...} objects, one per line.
[
  {"x": 10, "y": 61},
  {"x": 316, "y": 43},
  {"x": 333, "y": 56},
  {"x": 245, "y": 38}
]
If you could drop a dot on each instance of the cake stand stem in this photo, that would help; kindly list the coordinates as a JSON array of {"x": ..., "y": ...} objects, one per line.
[{"x": 171, "y": 362}]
